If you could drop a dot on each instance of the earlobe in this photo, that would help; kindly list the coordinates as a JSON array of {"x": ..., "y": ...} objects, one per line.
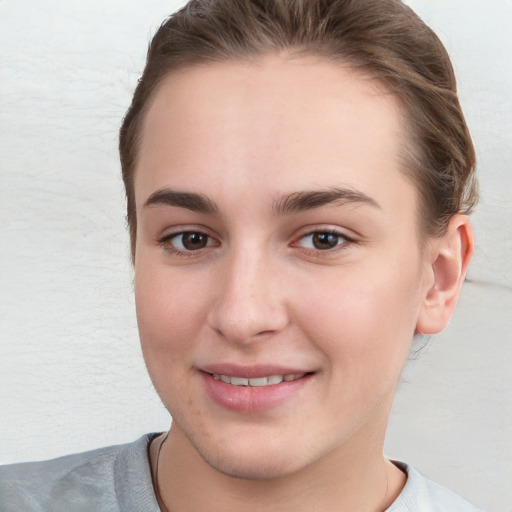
[{"x": 450, "y": 257}]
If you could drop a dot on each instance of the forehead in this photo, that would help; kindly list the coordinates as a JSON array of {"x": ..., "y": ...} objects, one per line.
[{"x": 292, "y": 123}]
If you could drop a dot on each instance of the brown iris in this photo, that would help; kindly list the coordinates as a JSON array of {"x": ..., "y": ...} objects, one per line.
[
  {"x": 193, "y": 241},
  {"x": 323, "y": 241}
]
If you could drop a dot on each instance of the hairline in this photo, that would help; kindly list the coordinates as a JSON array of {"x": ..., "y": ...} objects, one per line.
[{"x": 408, "y": 157}]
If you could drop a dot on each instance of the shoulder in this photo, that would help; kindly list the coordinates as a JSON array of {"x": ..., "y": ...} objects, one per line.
[
  {"x": 420, "y": 494},
  {"x": 100, "y": 480}
]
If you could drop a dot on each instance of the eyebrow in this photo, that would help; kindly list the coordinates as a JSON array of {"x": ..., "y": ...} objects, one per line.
[
  {"x": 310, "y": 199},
  {"x": 289, "y": 203},
  {"x": 189, "y": 200}
]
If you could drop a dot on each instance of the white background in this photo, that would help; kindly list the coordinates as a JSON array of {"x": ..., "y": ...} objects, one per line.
[{"x": 71, "y": 373}]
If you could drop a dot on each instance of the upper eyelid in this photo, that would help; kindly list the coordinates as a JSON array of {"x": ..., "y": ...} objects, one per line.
[
  {"x": 167, "y": 236},
  {"x": 347, "y": 241},
  {"x": 179, "y": 230},
  {"x": 165, "y": 242},
  {"x": 343, "y": 237},
  {"x": 310, "y": 230}
]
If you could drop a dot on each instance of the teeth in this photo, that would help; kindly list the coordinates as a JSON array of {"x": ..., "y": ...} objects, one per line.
[
  {"x": 239, "y": 381},
  {"x": 258, "y": 381},
  {"x": 275, "y": 379}
]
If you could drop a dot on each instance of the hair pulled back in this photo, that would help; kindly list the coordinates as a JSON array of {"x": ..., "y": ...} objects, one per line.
[{"x": 384, "y": 39}]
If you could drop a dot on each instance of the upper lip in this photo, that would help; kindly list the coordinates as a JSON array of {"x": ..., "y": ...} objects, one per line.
[{"x": 250, "y": 372}]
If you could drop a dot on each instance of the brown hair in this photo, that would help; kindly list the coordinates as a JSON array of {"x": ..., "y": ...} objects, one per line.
[{"x": 383, "y": 38}]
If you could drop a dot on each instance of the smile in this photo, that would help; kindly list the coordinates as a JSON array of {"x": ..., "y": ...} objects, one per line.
[
  {"x": 271, "y": 380},
  {"x": 253, "y": 390}
]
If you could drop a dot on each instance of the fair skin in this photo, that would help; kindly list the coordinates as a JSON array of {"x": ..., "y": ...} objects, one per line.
[{"x": 278, "y": 236}]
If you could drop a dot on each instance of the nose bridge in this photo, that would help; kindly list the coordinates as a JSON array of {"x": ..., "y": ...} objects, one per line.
[{"x": 249, "y": 301}]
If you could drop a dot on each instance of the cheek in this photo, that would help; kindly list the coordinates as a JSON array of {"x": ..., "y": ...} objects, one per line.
[
  {"x": 169, "y": 312},
  {"x": 364, "y": 321}
]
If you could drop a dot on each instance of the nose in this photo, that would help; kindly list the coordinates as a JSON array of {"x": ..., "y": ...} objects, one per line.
[{"x": 249, "y": 302}]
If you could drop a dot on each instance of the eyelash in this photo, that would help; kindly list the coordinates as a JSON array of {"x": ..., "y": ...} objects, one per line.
[
  {"x": 342, "y": 242},
  {"x": 167, "y": 244}
]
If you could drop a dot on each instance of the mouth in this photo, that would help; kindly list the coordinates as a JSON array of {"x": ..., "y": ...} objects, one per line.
[
  {"x": 250, "y": 390},
  {"x": 257, "y": 382}
]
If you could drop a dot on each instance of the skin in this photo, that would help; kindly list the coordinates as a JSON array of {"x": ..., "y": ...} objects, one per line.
[{"x": 246, "y": 137}]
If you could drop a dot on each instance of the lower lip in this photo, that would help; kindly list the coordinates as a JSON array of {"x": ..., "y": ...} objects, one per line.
[{"x": 247, "y": 399}]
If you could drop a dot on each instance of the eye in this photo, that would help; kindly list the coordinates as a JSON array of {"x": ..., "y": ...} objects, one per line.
[
  {"x": 187, "y": 241},
  {"x": 322, "y": 240}
]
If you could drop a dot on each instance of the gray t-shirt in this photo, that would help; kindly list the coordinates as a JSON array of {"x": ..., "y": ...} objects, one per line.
[{"x": 118, "y": 479}]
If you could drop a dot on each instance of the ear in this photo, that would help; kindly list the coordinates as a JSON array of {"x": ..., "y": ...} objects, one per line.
[{"x": 449, "y": 258}]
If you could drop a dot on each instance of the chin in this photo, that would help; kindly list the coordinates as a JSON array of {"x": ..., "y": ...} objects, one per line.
[
  {"x": 251, "y": 469},
  {"x": 257, "y": 461}
]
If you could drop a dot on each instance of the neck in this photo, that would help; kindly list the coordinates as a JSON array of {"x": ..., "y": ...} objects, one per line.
[{"x": 352, "y": 477}]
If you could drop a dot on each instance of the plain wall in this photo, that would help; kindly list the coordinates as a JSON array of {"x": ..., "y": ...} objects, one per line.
[{"x": 72, "y": 376}]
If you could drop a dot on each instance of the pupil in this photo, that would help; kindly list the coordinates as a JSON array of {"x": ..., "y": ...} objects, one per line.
[
  {"x": 195, "y": 241},
  {"x": 325, "y": 240}
]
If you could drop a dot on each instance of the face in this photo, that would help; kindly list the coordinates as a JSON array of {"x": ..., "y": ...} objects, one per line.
[{"x": 278, "y": 269}]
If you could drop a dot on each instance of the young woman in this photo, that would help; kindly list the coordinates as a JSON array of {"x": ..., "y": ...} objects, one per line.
[{"x": 298, "y": 176}]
